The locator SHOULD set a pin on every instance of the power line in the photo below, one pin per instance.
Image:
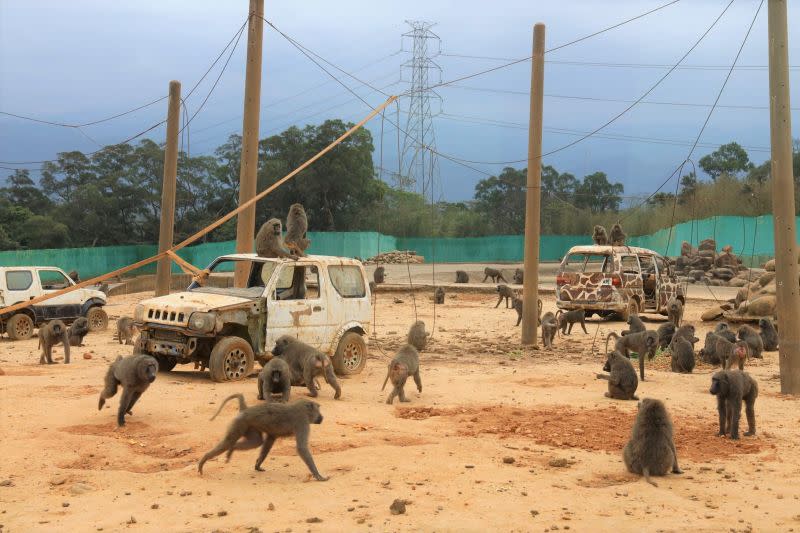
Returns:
(77, 126)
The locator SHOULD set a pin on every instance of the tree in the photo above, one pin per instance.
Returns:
(501, 199)
(729, 158)
(22, 191)
(688, 188)
(597, 194)
(662, 199)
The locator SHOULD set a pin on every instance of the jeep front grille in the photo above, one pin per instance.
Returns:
(164, 315)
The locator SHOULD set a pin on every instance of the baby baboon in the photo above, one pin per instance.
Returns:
(77, 331)
(505, 292)
(438, 295)
(723, 330)
(636, 325)
(617, 235)
(753, 340)
(549, 328)
(275, 378)
(417, 336)
(665, 332)
(643, 343)
(516, 304)
(675, 311)
(708, 353)
(569, 319)
(622, 380)
(651, 449)
(135, 373)
(379, 276)
(270, 420)
(769, 335)
(404, 364)
(50, 334)
(297, 230)
(461, 277)
(731, 387)
(269, 240)
(600, 236)
(493, 273)
(73, 275)
(126, 330)
(519, 276)
(306, 363)
(682, 356)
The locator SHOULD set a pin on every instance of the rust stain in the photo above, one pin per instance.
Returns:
(297, 314)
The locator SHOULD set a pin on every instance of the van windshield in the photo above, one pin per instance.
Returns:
(588, 263)
(221, 276)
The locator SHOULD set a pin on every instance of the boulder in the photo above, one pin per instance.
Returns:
(737, 282)
(769, 266)
(696, 275)
(766, 278)
(707, 244)
(726, 260)
(707, 253)
(723, 273)
(712, 314)
(761, 306)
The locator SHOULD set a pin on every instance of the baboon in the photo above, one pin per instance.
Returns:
(505, 292)
(493, 273)
(600, 236)
(769, 335)
(275, 378)
(516, 304)
(296, 239)
(665, 332)
(741, 351)
(103, 288)
(731, 387)
(519, 276)
(305, 363)
(622, 380)
(636, 325)
(617, 235)
(77, 331)
(269, 240)
(682, 359)
(549, 328)
(708, 353)
(569, 319)
(438, 295)
(50, 334)
(404, 364)
(723, 352)
(753, 340)
(643, 343)
(684, 332)
(723, 330)
(651, 449)
(270, 420)
(126, 330)
(379, 276)
(417, 336)
(73, 275)
(675, 311)
(372, 287)
(135, 373)
(461, 277)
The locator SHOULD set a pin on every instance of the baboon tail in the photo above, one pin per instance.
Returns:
(558, 324)
(646, 473)
(387, 377)
(239, 396)
(608, 337)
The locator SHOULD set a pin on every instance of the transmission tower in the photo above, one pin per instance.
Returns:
(419, 165)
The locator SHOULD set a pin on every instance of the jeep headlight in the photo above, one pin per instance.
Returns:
(202, 322)
(138, 314)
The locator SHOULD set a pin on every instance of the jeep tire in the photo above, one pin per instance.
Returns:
(98, 319)
(20, 327)
(351, 354)
(231, 359)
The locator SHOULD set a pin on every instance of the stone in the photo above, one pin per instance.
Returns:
(398, 507)
(707, 245)
(769, 266)
(711, 314)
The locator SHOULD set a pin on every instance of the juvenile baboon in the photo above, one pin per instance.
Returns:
(296, 239)
(73, 275)
(682, 359)
(516, 304)
(600, 236)
(708, 353)
(651, 448)
(617, 235)
(275, 378)
(269, 240)
(126, 330)
(404, 364)
(769, 335)
(417, 336)
(461, 277)
(731, 387)
(723, 330)
(723, 352)
(305, 363)
(549, 328)
(753, 340)
(50, 334)
(741, 351)
(504, 291)
(379, 276)
(675, 311)
(569, 319)
(622, 380)
(665, 332)
(262, 424)
(438, 295)
(77, 331)
(636, 325)
(135, 373)
(684, 332)
(493, 273)
(519, 276)
(643, 343)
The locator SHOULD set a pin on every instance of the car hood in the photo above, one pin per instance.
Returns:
(175, 309)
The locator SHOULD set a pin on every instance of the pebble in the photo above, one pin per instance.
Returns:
(508, 460)
(398, 507)
(6, 483)
(270, 507)
(469, 466)
(131, 521)
(155, 506)
(314, 520)
(65, 504)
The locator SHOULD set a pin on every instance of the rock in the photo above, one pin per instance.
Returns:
(766, 278)
(58, 480)
(737, 282)
(80, 488)
(762, 306)
(155, 506)
(225, 513)
(696, 275)
(398, 507)
(727, 260)
(131, 521)
(6, 483)
(559, 463)
(271, 507)
(87, 356)
(723, 273)
(686, 249)
(769, 266)
(707, 254)
(508, 460)
(707, 245)
(314, 520)
(712, 314)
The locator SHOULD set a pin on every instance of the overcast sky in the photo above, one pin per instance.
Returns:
(82, 60)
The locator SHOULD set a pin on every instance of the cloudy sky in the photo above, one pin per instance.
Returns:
(82, 60)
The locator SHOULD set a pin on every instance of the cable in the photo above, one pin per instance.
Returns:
(235, 37)
(92, 123)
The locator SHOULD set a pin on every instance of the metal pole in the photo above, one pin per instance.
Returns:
(246, 221)
(786, 268)
(165, 233)
(530, 287)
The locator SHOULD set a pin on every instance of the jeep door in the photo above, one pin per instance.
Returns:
(64, 307)
(20, 285)
(296, 305)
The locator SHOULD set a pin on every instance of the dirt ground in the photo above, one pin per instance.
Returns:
(500, 438)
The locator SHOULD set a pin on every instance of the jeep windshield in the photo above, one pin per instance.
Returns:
(588, 263)
(220, 279)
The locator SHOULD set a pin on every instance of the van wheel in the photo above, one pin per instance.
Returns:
(165, 362)
(351, 354)
(633, 309)
(231, 359)
(20, 327)
(98, 319)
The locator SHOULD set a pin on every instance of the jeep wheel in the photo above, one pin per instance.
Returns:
(98, 319)
(20, 327)
(632, 309)
(351, 354)
(231, 359)
(165, 362)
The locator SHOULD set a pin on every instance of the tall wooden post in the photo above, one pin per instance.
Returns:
(530, 287)
(786, 268)
(165, 233)
(246, 220)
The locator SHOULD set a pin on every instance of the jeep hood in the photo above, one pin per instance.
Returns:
(194, 301)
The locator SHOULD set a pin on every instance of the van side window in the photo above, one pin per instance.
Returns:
(297, 283)
(648, 267)
(347, 280)
(629, 264)
(19, 280)
(53, 280)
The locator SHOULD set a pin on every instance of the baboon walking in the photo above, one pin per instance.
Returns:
(135, 373)
(404, 364)
(732, 387)
(50, 334)
(493, 273)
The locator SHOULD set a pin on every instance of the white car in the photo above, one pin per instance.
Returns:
(323, 301)
(22, 283)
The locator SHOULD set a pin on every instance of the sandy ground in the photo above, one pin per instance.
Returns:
(500, 438)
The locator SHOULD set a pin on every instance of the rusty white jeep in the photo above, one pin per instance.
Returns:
(323, 301)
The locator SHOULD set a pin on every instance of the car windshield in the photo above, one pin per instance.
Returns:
(587, 263)
(220, 278)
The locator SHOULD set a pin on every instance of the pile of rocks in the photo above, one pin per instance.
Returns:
(703, 264)
(395, 257)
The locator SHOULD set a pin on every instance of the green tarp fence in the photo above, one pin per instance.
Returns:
(751, 238)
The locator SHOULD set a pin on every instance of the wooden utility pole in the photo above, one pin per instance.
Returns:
(530, 287)
(246, 220)
(165, 233)
(786, 268)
